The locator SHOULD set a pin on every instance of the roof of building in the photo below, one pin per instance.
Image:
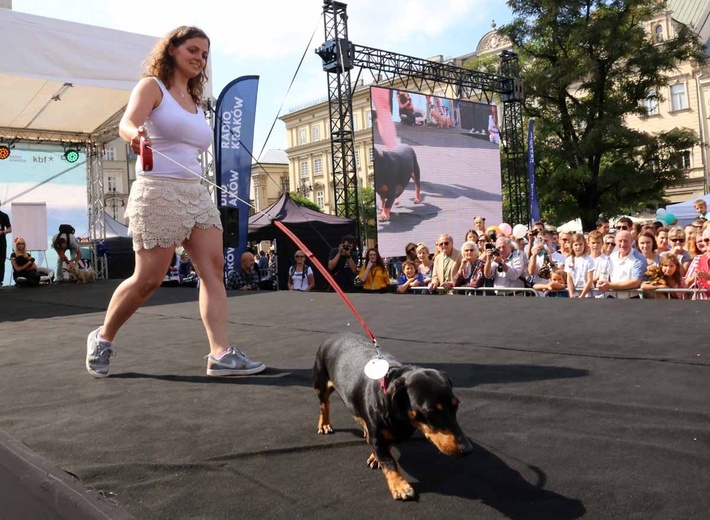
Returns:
(274, 156)
(688, 12)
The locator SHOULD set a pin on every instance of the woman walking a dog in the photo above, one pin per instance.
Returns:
(168, 206)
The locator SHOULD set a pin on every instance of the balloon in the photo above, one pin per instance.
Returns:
(669, 218)
(520, 230)
(661, 212)
(506, 229)
(494, 229)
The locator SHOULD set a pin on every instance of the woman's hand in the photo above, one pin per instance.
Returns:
(140, 132)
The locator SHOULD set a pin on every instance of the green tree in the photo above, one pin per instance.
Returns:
(368, 216)
(588, 65)
(304, 201)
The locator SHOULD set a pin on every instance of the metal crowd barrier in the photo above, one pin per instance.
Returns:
(638, 293)
(527, 292)
(482, 291)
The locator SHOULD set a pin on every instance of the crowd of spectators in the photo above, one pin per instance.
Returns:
(629, 260)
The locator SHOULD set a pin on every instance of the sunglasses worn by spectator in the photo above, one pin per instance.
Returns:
(444, 243)
(622, 228)
(681, 240)
(706, 240)
(411, 250)
(609, 244)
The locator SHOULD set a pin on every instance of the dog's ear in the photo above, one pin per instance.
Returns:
(448, 379)
(397, 393)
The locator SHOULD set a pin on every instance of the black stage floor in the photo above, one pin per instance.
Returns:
(595, 409)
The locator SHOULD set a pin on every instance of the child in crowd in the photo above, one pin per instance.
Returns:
(410, 277)
(665, 274)
(580, 268)
(556, 287)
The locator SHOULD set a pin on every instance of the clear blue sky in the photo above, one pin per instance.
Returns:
(268, 38)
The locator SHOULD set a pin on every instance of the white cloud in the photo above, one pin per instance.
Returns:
(280, 28)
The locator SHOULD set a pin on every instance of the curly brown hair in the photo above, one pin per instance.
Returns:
(160, 63)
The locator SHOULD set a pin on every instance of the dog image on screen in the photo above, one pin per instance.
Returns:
(393, 171)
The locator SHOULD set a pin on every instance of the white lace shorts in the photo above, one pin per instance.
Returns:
(163, 212)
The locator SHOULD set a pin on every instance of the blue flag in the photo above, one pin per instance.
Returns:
(234, 141)
(534, 208)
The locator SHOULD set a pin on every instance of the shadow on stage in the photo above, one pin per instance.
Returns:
(514, 488)
(463, 375)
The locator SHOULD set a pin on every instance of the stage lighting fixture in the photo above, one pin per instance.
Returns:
(4, 152)
(71, 155)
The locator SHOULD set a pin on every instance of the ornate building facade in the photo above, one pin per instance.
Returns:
(310, 167)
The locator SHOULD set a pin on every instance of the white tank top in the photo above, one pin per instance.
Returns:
(179, 134)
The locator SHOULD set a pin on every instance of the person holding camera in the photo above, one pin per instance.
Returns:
(537, 228)
(543, 258)
(341, 264)
(504, 264)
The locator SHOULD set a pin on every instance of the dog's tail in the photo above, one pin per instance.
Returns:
(416, 172)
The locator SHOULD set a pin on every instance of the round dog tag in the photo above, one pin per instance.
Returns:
(376, 368)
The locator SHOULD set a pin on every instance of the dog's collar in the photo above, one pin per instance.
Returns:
(385, 379)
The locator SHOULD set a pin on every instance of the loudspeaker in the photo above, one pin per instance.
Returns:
(230, 224)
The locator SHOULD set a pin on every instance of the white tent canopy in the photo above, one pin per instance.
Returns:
(63, 76)
(684, 211)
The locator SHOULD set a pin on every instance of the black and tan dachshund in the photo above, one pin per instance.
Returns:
(393, 171)
(407, 399)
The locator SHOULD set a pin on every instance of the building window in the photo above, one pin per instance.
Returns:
(318, 166)
(315, 131)
(111, 183)
(320, 198)
(372, 155)
(304, 169)
(685, 160)
(679, 100)
(110, 153)
(651, 103)
(302, 137)
(285, 185)
(357, 159)
(369, 119)
(354, 123)
(659, 34)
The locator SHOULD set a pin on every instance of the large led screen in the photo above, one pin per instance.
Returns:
(437, 166)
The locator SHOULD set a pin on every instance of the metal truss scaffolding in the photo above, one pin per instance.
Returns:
(93, 144)
(340, 56)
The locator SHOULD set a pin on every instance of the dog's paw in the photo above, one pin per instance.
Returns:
(325, 429)
(372, 462)
(403, 491)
